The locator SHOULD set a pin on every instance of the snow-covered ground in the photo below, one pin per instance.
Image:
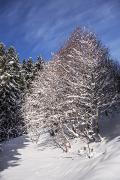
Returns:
(23, 160)
(20, 159)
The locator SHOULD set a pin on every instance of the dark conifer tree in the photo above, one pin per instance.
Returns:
(39, 64)
(11, 122)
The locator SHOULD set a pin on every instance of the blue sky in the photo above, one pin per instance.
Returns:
(40, 27)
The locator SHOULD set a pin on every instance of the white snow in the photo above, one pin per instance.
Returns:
(11, 62)
(20, 159)
(23, 160)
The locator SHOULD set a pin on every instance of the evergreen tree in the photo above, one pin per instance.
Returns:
(30, 69)
(38, 64)
(2, 49)
(11, 122)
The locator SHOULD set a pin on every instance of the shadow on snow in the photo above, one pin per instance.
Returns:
(10, 155)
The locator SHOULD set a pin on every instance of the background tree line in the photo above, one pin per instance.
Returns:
(15, 80)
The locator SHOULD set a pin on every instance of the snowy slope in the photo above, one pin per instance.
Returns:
(20, 159)
(34, 163)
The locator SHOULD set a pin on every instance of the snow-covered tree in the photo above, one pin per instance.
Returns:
(11, 121)
(87, 69)
(37, 102)
(73, 90)
(30, 69)
(39, 63)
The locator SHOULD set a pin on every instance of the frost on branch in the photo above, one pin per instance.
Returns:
(72, 91)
